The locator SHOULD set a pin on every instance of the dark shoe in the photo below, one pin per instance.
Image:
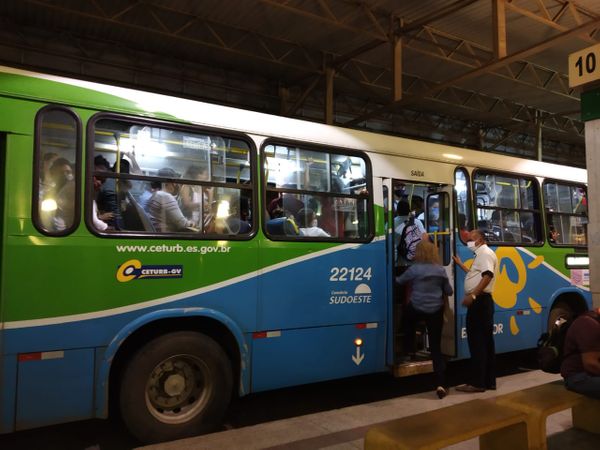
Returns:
(469, 388)
(441, 392)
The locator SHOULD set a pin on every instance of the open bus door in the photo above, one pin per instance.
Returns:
(437, 219)
(438, 223)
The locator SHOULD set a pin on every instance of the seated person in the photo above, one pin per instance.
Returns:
(581, 365)
(309, 226)
(286, 204)
(163, 207)
(553, 235)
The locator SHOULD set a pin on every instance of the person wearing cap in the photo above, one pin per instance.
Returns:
(164, 211)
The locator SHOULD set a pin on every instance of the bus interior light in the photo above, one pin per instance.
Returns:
(358, 342)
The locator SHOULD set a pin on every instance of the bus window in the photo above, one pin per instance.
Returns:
(157, 179)
(463, 204)
(507, 208)
(566, 213)
(315, 195)
(56, 176)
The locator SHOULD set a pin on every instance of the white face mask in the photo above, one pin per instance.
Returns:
(314, 223)
(69, 177)
(472, 246)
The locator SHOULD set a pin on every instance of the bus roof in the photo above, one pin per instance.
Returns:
(86, 94)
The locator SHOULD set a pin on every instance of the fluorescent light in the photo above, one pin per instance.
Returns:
(451, 156)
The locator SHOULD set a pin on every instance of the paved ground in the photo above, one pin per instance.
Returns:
(345, 428)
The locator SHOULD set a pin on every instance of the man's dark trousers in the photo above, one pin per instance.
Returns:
(480, 335)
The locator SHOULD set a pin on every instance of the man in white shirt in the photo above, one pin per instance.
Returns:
(479, 284)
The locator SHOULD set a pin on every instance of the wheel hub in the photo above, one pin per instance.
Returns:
(174, 385)
(177, 389)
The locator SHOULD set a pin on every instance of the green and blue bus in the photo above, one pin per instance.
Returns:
(160, 255)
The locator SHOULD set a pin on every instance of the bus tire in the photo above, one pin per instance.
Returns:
(560, 309)
(177, 385)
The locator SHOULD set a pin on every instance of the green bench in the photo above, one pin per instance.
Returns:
(498, 427)
(541, 401)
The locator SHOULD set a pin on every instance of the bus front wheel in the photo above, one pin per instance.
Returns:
(175, 386)
(561, 310)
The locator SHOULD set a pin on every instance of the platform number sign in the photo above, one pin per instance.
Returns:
(584, 66)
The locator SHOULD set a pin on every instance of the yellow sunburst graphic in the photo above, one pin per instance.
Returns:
(535, 306)
(506, 290)
(514, 328)
(536, 262)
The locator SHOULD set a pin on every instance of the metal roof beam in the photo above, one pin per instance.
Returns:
(329, 18)
(543, 16)
(490, 67)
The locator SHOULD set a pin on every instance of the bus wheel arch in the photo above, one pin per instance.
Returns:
(210, 343)
(565, 306)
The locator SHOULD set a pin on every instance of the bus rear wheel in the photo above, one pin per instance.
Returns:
(175, 386)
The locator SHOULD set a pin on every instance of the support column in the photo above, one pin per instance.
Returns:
(592, 157)
(284, 98)
(329, 74)
(499, 25)
(397, 68)
(538, 134)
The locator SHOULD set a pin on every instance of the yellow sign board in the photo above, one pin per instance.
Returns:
(584, 66)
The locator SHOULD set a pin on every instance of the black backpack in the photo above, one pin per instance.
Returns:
(550, 351)
(409, 238)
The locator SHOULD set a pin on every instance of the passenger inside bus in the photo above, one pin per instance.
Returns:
(309, 225)
(98, 223)
(463, 228)
(63, 193)
(195, 201)
(553, 235)
(45, 176)
(165, 214)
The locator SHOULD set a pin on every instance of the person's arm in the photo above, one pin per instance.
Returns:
(174, 215)
(447, 288)
(323, 233)
(406, 277)
(459, 263)
(186, 197)
(135, 167)
(485, 280)
(591, 362)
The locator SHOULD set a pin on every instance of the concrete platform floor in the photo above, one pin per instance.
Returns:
(345, 428)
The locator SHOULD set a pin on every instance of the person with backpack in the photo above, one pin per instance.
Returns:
(411, 232)
(580, 366)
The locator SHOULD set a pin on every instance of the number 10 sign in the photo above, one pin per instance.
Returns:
(584, 66)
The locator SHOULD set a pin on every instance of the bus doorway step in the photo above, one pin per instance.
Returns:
(409, 368)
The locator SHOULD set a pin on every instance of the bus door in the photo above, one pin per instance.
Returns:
(438, 223)
(429, 204)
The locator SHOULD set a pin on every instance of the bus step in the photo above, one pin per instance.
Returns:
(409, 368)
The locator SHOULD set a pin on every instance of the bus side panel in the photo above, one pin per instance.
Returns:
(316, 354)
(345, 284)
(525, 283)
(8, 394)
(56, 388)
